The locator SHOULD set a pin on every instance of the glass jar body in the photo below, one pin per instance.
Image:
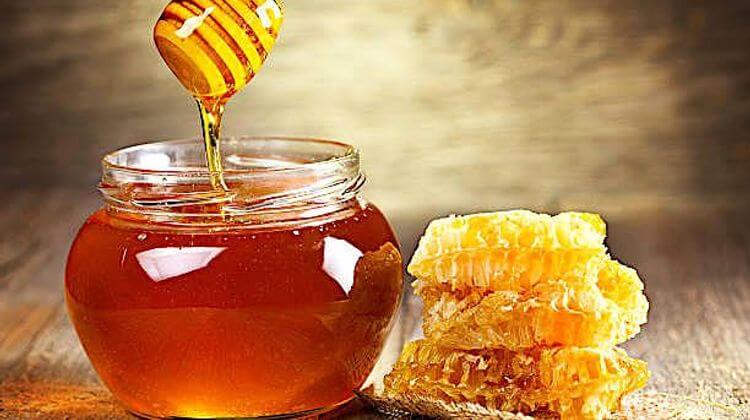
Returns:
(236, 320)
(256, 328)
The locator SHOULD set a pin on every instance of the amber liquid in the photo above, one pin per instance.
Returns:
(258, 329)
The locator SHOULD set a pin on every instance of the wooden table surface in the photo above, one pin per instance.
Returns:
(639, 110)
(696, 265)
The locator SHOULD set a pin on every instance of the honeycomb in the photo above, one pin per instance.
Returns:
(452, 237)
(623, 285)
(504, 269)
(601, 309)
(522, 313)
(576, 383)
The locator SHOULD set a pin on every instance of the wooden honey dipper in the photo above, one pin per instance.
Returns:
(215, 47)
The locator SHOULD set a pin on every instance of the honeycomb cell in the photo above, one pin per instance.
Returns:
(576, 383)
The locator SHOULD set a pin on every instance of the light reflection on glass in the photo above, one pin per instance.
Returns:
(165, 263)
(154, 161)
(340, 260)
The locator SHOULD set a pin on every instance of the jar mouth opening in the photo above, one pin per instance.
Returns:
(269, 179)
(153, 158)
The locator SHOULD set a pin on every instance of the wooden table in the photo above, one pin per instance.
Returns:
(636, 109)
(696, 265)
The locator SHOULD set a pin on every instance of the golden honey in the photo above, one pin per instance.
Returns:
(261, 330)
(282, 308)
(262, 286)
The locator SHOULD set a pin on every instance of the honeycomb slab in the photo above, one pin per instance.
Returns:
(599, 310)
(487, 240)
(576, 383)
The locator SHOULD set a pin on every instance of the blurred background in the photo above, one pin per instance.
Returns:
(637, 109)
(457, 105)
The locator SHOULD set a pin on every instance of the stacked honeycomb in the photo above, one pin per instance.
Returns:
(522, 313)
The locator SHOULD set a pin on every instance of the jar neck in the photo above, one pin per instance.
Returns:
(308, 216)
(271, 182)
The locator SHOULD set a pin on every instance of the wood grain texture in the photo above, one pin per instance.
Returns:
(636, 109)
(696, 265)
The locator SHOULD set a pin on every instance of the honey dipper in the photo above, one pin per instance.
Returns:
(215, 47)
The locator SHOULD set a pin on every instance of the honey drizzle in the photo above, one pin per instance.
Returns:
(211, 113)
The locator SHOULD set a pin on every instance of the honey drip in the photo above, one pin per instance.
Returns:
(211, 113)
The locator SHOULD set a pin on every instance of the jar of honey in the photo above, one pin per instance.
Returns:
(272, 298)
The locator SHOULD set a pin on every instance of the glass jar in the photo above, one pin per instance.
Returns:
(274, 298)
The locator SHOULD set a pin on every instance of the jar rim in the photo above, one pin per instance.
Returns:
(109, 161)
(270, 179)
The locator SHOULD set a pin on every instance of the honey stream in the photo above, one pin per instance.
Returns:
(211, 113)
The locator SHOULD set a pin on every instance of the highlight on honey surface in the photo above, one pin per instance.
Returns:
(215, 47)
(576, 383)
